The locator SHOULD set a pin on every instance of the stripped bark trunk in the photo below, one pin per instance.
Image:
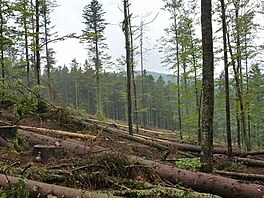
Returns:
(39, 189)
(57, 132)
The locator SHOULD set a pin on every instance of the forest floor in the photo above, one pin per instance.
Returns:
(101, 161)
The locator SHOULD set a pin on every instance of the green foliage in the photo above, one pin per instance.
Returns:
(192, 164)
(20, 143)
(100, 116)
(25, 107)
(18, 190)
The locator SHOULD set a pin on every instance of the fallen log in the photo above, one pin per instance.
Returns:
(4, 143)
(42, 190)
(75, 147)
(203, 182)
(165, 144)
(133, 138)
(261, 152)
(241, 176)
(250, 162)
(56, 132)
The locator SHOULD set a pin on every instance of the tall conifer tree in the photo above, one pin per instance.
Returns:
(95, 23)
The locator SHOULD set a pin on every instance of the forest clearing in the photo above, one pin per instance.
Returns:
(110, 127)
(61, 151)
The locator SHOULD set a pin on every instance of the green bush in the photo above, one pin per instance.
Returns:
(192, 164)
(18, 190)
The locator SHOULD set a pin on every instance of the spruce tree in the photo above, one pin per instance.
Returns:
(93, 15)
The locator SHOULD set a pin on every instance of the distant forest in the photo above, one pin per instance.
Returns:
(74, 85)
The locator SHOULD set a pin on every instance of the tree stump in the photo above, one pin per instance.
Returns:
(42, 153)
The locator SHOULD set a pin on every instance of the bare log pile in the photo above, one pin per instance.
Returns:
(39, 189)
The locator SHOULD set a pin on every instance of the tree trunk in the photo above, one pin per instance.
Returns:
(4, 143)
(42, 190)
(178, 70)
(47, 48)
(128, 63)
(241, 176)
(26, 45)
(133, 75)
(2, 42)
(207, 86)
(228, 122)
(250, 162)
(143, 103)
(37, 48)
(71, 145)
(44, 131)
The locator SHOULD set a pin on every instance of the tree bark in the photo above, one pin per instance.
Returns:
(241, 176)
(207, 86)
(250, 162)
(37, 48)
(128, 64)
(42, 190)
(4, 143)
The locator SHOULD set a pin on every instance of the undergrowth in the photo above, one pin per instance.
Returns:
(192, 164)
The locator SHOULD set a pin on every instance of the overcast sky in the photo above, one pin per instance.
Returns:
(68, 19)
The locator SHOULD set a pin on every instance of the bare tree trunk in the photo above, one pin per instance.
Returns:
(26, 45)
(247, 88)
(238, 74)
(143, 103)
(128, 63)
(207, 86)
(37, 49)
(239, 94)
(228, 124)
(133, 75)
(47, 48)
(178, 70)
(1, 42)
